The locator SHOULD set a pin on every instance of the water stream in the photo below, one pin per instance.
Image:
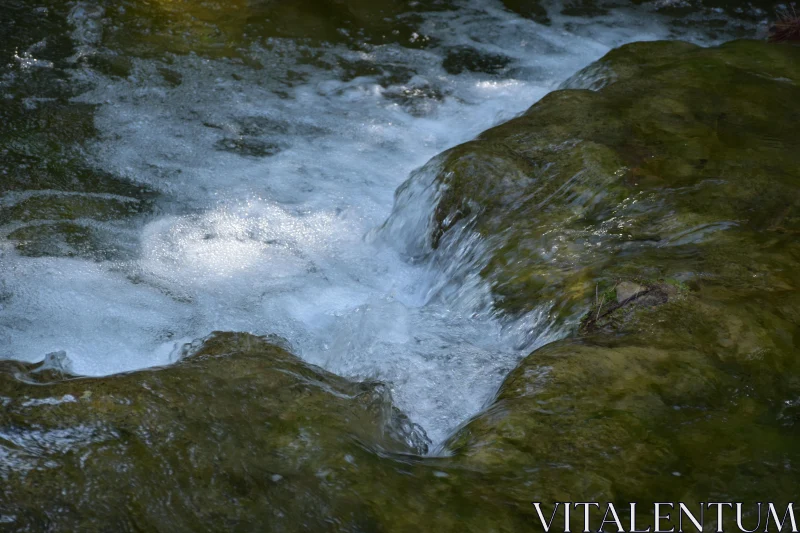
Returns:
(272, 175)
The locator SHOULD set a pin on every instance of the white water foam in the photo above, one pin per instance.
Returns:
(271, 191)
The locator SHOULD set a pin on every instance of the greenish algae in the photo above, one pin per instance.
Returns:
(49, 192)
(683, 175)
(239, 429)
(686, 147)
(228, 29)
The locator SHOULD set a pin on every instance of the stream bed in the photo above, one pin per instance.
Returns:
(171, 169)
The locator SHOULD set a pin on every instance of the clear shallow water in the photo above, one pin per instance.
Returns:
(274, 181)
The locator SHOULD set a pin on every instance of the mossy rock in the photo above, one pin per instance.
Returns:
(686, 399)
(70, 207)
(685, 148)
(237, 431)
(228, 29)
(680, 179)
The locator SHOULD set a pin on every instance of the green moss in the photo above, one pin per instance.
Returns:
(238, 429)
(228, 29)
(678, 284)
(681, 175)
(686, 145)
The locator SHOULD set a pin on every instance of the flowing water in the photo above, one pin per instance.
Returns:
(269, 173)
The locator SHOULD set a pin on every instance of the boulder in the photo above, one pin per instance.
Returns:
(661, 212)
(237, 432)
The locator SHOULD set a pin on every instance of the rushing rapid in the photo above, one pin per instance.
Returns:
(273, 185)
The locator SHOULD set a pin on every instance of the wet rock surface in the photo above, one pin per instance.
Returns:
(683, 151)
(53, 201)
(666, 203)
(655, 216)
(237, 431)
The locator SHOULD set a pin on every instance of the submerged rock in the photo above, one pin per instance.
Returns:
(151, 28)
(464, 58)
(53, 201)
(627, 290)
(529, 9)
